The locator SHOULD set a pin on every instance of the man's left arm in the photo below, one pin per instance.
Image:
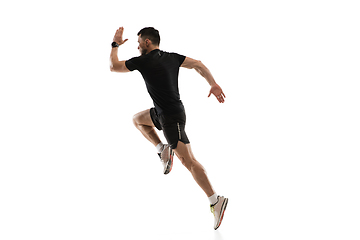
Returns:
(115, 64)
(204, 71)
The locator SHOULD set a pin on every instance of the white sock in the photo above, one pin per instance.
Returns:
(159, 147)
(213, 199)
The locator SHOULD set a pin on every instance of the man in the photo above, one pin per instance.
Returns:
(160, 71)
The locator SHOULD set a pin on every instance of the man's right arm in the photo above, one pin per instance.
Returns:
(115, 64)
(205, 72)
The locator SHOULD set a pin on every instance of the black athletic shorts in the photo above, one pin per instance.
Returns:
(172, 125)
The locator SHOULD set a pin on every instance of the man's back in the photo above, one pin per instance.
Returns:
(160, 71)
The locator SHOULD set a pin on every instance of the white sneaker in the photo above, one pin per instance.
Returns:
(218, 209)
(166, 156)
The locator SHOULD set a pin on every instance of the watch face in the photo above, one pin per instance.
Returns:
(114, 44)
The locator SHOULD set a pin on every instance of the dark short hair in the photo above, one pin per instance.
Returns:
(150, 33)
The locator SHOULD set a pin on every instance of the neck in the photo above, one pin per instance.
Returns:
(151, 48)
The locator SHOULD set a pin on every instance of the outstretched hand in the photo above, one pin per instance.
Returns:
(218, 93)
(119, 36)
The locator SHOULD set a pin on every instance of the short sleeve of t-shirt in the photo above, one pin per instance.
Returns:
(132, 64)
(180, 58)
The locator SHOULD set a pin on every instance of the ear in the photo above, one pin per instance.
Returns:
(147, 42)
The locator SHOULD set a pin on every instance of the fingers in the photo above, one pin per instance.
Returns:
(220, 99)
(119, 31)
(119, 35)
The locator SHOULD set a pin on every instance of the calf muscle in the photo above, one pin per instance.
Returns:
(144, 124)
(184, 153)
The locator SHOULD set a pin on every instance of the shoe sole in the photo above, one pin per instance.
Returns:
(223, 208)
(170, 163)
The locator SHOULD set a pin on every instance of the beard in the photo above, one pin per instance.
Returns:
(143, 52)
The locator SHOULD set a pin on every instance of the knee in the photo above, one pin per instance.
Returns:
(136, 120)
(189, 163)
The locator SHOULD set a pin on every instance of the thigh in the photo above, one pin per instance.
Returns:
(174, 129)
(185, 155)
(144, 118)
(175, 133)
(183, 152)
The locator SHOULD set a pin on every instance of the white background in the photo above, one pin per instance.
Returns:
(284, 147)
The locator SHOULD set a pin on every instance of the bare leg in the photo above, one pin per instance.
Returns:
(184, 153)
(143, 122)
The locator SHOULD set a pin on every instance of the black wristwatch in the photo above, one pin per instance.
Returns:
(115, 44)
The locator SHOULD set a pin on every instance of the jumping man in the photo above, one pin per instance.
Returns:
(160, 71)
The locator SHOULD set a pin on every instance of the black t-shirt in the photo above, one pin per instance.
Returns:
(160, 71)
